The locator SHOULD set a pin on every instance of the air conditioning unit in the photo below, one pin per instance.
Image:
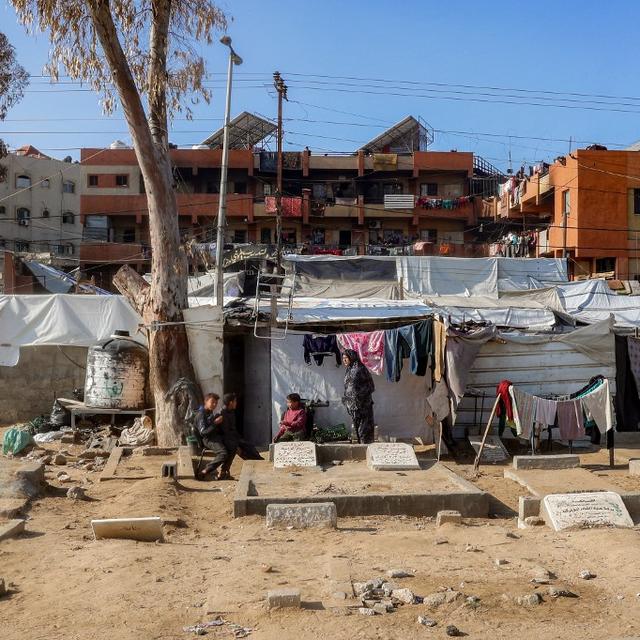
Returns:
(374, 224)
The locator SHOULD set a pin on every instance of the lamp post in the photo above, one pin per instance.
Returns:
(234, 59)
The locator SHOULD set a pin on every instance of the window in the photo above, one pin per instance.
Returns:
(429, 189)
(23, 182)
(318, 236)
(604, 265)
(44, 183)
(390, 188)
(68, 217)
(265, 236)
(268, 189)
(69, 248)
(129, 235)
(92, 180)
(429, 235)
(142, 187)
(344, 238)
(393, 236)
(3, 243)
(239, 236)
(122, 180)
(45, 213)
(289, 236)
(566, 202)
(3, 210)
(21, 245)
(636, 201)
(23, 216)
(68, 186)
(239, 187)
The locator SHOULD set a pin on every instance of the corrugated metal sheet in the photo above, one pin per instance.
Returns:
(540, 369)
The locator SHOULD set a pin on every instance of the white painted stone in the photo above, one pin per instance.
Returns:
(302, 516)
(597, 508)
(294, 454)
(145, 529)
(493, 450)
(391, 456)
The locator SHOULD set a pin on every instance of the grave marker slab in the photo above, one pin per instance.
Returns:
(493, 450)
(391, 456)
(294, 454)
(590, 509)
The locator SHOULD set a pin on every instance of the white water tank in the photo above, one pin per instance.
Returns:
(116, 374)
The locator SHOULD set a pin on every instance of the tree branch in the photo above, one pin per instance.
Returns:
(157, 74)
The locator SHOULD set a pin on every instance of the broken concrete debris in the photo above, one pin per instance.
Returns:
(399, 573)
(11, 528)
(426, 622)
(529, 600)
(283, 599)
(453, 631)
(59, 459)
(448, 517)
(439, 598)
(585, 574)
(76, 493)
(559, 592)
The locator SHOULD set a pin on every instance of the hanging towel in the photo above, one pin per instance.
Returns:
(570, 419)
(598, 404)
(546, 411)
(440, 341)
(502, 390)
(369, 347)
(525, 405)
(320, 346)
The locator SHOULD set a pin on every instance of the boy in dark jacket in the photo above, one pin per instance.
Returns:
(209, 425)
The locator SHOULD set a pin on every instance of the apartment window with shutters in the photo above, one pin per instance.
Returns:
(68, 217)
(22, 246)
(429, 189)
(92, 180)
(566, 202)
(23, 182)
(23, 215)
(68, 186)
(122, 180)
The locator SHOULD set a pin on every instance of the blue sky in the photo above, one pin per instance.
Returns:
(568, 47)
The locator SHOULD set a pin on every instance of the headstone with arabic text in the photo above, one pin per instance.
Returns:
(391, 456)
(294, 454)
(589, 509)
(493, 450)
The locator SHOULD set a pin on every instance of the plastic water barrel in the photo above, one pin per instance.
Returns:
(116, 374)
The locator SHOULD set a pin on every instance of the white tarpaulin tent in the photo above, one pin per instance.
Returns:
(399, 409)
(61, 319)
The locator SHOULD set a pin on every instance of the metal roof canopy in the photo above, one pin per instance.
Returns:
(245, 131)
(406, 136)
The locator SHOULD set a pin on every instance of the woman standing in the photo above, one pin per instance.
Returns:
(358, 387)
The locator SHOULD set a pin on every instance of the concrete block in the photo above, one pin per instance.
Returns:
(634, 467)
(169, 470)
(561, 461)
(445, 517)
(283, 598)
(302, 516)
(528, 506)
(11, 528)
(185, 463)
(32, 473)
(144, 529)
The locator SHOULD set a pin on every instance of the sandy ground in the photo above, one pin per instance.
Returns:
(65, 585)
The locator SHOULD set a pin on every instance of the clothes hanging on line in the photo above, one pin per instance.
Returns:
(599, 405)
(525, 407)
(369, 346)
(570, 420)
(414, 341)
(504, 406)
(318, 347)
(546, 411)
(439, 345)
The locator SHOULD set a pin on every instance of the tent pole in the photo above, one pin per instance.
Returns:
(476, 464)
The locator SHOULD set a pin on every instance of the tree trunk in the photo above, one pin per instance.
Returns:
(161, 303)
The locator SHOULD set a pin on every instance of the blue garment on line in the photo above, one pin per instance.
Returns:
(414, 341)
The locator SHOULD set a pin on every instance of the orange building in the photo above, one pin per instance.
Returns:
(387, 195)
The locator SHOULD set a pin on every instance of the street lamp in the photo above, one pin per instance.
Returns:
(234, 59)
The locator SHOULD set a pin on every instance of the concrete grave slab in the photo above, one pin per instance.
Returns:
(540, 482)
(283, 598)
(294, 454)
(302, 516)
(561, 461)
(634, 467)
(590, 509)
(144, 529)
(11, 528)
(391, 456)
(493, 451)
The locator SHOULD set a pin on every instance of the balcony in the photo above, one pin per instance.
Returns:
(531, 195)
(99, 252)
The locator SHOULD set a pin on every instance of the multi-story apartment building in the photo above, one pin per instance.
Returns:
(586, 205)
(391, 193)
(40, 207)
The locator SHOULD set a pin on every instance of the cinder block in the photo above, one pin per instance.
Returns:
(444, 517)
(31, 473)
(11, 528)
(528, 506)
(561, 461)
(634, 467)
(302, 516)
(283, 598)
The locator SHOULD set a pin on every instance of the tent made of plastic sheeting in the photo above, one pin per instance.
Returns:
(399, 408)
(61, 319)
(427, 275)
(543, 365)
(593, 301)
(204, 284)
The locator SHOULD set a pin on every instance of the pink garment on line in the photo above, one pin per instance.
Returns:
(570, 420)
(369, 346)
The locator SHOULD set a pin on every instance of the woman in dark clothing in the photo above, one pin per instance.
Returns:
(358, 387)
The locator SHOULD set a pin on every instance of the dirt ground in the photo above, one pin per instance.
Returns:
(65, 585)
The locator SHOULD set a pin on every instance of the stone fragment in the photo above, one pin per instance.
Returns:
(406, 596)
(559, 592)
(426, 622)
(453, 631)
(440, 541)
(339, 595)
(445, 517)
(283, 599)
(441, 597)
(634, 467)
(59, 459)
(366, 611)
(381, 608)
(399, 573)
(534, 521)
(472, 601)
(585, 574)
(266, 568)
(76, 493)
(529, 600)
(471, 548)
(89, 466)
(512, 535)
(500, 562)
(11, 528)
(302, 516)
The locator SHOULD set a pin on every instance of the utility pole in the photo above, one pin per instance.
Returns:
(234, 58)
(281, 88)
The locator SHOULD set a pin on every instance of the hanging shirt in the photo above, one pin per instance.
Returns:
(413, 341)
(502, 390)
(439, 340)
(598, 404)
(546, 411)
(570, 420)
(317, 347)
(526, 407)
(369, 347)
